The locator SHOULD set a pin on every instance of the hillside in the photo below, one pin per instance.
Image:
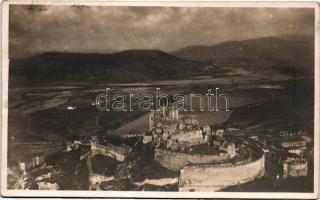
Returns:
(126, 66)
(293, 109)
(286, 54)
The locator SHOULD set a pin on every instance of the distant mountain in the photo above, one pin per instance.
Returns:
(290, 52)
(287, 55)
(126, 66)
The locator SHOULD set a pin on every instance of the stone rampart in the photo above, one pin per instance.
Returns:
(176, 160)
(117, 152)
(216, 177)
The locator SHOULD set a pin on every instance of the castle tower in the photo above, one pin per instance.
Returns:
(177, 114)
(22, 166)
(151, 121)
(163, 112)
(173, 113)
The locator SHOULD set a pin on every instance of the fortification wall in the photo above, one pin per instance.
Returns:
(295, 169)
(188, 137)
(119, 153)
(96, 179)
(176, 160)
(217, 177)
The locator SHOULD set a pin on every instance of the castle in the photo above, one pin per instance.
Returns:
(177, 132)
(172, 130)
(183, 144)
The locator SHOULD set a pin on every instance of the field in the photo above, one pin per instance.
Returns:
(42, 119)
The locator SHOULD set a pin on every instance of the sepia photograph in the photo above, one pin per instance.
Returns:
(160, 99)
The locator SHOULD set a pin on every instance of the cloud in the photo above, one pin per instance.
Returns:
(37, 29)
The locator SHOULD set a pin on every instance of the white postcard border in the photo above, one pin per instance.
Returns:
(76, 193)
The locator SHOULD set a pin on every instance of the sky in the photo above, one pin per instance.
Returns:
(104, 29)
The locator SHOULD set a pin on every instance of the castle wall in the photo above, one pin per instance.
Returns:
(96, 179)
(217, 177)
(188, 137)
(158, 182)
(176, 160)
(119, 153)
(33, 154)
(295, 169)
